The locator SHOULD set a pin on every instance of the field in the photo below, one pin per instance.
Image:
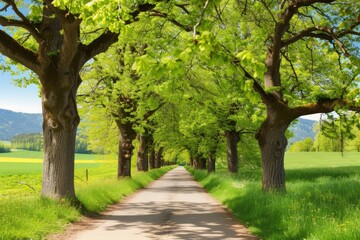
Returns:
(322, 199)
(303, 160)
(20, 171)
(23, 162)
(24, 215)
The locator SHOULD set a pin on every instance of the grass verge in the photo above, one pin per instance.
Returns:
(34, 218)
(320, 203)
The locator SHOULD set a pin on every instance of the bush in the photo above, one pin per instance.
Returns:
(306, 145)
(3, 148)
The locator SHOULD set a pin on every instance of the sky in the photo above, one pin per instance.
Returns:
(18, 99)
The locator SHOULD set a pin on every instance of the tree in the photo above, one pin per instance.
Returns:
(303, 29)
(306, 145)
(307, 53)
(54, 48)
(4, 148)
(337, 133)
(32, 141)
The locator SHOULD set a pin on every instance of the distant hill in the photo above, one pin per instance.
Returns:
(13, 123)
(302, 129)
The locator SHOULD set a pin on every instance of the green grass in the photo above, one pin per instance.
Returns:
(31, 217)
(40, 154)
(322, 199)
(297, 160)
(8, 168)
(24, 168)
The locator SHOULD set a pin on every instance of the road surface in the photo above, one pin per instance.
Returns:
(173, 207)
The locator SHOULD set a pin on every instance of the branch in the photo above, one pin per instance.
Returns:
(295, 74)
(6, 22)
(183, 7)
(327, 34)
(201, 17)
(323, 106)
(105, 40)
(99, 45)
(16, 10)
(309, 32)
(156, 13)
(268, 10)
(24, 23)
(24, 183)
(148, 114)
(13, 50)
(351, 31)
(5, 8)
(257, 87)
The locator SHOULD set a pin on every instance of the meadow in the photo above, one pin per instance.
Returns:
(322, 199)
(321, 202)
(24, 215)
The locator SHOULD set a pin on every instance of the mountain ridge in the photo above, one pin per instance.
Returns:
(14, 123)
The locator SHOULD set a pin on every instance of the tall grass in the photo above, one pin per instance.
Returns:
(33, 218)
(320, 203)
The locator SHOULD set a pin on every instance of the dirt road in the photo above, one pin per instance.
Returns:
(173, 207)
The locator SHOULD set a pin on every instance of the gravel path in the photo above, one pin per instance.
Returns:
(173, 207)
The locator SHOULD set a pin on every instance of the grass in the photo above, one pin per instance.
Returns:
(33, 218)
(39, 155)
(322, 199)
(30, 217)
(301, 160)
(24, 162)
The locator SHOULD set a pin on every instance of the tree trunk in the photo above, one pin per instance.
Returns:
(125, 152)
(232, 138)
(200, 162)
(272, 142)
(142, 156)
(158, 158)
(124, 123)
(151, 150)
(60, 121)
(191, 160)
(211, 163)
(152, 159)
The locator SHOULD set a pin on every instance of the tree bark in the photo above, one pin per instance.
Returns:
(142, 155)
(232, 138)
(203, 163)
(60, 121)
(200, 162)
(191, 160)
(272, 142)
(211, 163)
(127, 135)
(152, 159)
(158, 157)
(125, 152)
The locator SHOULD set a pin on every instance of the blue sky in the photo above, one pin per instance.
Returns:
(18, 99)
